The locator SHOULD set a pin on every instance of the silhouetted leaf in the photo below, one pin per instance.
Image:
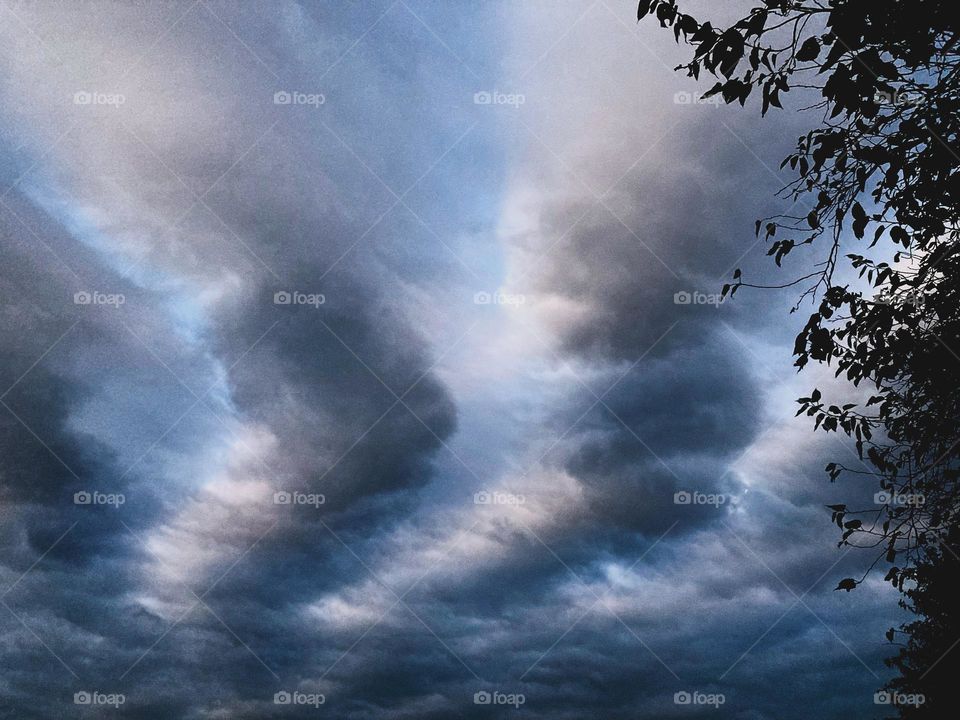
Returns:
(847, 584)
(809, 50)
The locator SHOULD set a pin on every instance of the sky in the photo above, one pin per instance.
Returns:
(365, 360)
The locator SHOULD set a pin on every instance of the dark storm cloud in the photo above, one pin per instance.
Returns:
(671, 425)
(685, 226)
(328, 381)
(65, 566)
(38, 309)
(689, 401)
(56, 348)
(305, 379)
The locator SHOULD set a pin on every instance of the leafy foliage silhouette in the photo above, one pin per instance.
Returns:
(926, 662)
(880, 173)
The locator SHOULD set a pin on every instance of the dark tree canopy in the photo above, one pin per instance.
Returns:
(878, 181)
(926, 662)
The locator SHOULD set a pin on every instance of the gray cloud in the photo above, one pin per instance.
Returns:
(201, 396)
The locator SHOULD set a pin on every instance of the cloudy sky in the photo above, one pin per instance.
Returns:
(359, 357)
